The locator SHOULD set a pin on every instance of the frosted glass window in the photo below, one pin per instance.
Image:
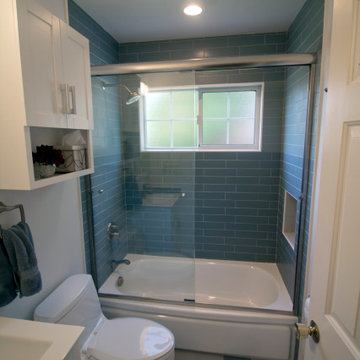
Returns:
(214, 132)
(241, 131)
(158, 133)
(203, 118)
(158, 106)
(228, 118)
(242, 103)
(214, 105)
(185, 133)
(179, 108)
(184, 104)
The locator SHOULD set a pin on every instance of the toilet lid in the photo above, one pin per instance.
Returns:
(130, 339)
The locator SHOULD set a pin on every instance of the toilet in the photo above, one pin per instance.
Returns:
(75, 302)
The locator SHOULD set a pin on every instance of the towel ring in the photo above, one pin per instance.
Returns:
(4, 208)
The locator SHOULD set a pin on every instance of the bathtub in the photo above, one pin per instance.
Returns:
(223, 307)
(215, 282)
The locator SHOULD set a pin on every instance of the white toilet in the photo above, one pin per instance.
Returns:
(75, 302)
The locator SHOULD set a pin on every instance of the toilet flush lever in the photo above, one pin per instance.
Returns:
(303, 331)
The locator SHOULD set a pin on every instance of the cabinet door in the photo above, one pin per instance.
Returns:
(40, 47)
(75, 53)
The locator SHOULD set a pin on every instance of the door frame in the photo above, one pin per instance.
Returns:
(324, 71)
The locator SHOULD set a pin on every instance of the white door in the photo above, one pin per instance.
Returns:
(335, 282)
(75, 53)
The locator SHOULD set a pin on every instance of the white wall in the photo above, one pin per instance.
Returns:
(54, 216)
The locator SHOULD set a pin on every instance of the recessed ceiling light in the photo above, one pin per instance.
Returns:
(193, 10)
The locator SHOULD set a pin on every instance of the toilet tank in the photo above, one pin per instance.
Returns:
(74, 302)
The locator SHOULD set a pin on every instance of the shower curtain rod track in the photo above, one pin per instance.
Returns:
(253, 61)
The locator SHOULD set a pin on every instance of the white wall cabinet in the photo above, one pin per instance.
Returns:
(56, 70)
(45, 76)
(75, 49)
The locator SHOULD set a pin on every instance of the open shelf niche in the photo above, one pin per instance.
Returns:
(54, 136)
(289, 218)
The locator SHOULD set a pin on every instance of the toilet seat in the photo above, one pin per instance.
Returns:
(130, 339)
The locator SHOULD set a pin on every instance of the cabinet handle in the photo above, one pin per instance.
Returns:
(64, 88)
(73, 100)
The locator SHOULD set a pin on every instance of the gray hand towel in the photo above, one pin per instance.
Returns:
(20, 250)
(7, 284)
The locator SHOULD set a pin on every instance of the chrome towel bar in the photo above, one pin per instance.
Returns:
(4, 207)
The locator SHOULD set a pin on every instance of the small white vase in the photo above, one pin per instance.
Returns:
(44, 170)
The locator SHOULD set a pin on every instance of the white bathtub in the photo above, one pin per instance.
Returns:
(216, 282)
(251, 331)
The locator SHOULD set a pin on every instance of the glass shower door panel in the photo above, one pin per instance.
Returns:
(103, 193)
(158, 136)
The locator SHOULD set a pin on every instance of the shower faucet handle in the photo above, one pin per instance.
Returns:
(112, 230)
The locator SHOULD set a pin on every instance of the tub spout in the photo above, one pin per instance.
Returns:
(118, 262)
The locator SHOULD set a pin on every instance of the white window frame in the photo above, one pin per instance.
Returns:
(201, 89)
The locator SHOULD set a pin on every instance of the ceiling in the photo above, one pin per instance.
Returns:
(146, 20)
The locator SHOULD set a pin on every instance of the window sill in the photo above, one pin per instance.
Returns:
(201, 150)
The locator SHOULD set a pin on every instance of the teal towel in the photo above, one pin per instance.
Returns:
(19, 246)
(7, 284)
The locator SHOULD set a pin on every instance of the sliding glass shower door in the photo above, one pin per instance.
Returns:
(151, 193)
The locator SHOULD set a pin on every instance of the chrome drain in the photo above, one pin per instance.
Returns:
(119, 281)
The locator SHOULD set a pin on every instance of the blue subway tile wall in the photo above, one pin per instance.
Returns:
(235, 210)
(235, 194)
(253, 44)
(236, 198)
(305, 35)
(159, 220)
(108, 205)
(233, 199)
(103, 47)
(292, 162)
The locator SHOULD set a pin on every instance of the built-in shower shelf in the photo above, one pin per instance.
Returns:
(289, 218)
(160, 199)
(290, 237)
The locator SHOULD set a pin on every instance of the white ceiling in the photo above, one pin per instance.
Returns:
(146, 20)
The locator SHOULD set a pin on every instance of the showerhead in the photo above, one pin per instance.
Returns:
(134, 96)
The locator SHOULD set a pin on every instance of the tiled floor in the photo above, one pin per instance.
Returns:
(191, 355)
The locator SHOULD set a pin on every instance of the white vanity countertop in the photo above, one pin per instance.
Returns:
(34, 340)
